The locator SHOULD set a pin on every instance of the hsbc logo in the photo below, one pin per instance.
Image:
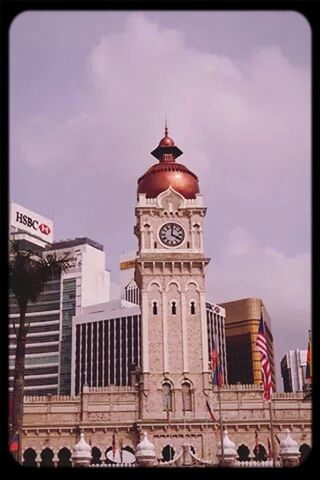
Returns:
(32, 223)
(44, 229)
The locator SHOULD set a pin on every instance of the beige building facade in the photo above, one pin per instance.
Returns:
(54, 422)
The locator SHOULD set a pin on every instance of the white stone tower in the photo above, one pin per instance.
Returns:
(170, 273)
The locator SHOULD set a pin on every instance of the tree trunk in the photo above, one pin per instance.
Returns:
(18, 382)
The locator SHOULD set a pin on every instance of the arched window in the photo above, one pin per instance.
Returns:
(173, 308)
(64, 456)
(186, 397)
(192, 308)
(46, 458)
(155, 308)
(166, 397)
(96, 454)
(243, 453)
(260, 453)
(167, 453)
(304, 450)
(29, 457)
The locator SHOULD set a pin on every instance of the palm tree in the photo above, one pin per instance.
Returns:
(29, 271)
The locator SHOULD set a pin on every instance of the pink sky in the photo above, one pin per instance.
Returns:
(89, 94)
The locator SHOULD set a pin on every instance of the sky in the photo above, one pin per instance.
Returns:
(89, 92)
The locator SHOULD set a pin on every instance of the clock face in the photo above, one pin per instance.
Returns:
(171, 234)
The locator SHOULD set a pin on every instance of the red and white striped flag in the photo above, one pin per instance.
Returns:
(265, 365)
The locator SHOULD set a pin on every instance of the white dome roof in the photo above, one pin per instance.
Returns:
(288, 445)
(145, 447)
(229, 448)
(82, 447)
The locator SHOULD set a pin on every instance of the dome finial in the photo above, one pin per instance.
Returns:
(166, 127)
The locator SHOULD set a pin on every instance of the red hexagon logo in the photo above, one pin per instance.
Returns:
(44, 229)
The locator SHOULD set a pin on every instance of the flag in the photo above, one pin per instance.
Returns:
(113, 445)
(14, 443)
(211, 412)
(309, 363)
(257, 448)
(217, 377)
(269, 450)
(265, 365)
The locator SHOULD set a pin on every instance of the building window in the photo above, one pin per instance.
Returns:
(155, 308)
(192, 308)
(167, 453)
(155, 245)
(188, 244)
(243, 453)
(167, 397)
(186, 397)
(173, 308)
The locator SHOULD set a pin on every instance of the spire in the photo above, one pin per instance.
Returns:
(166, 150)
(166, 127)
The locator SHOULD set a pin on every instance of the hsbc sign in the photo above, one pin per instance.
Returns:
(31, 222)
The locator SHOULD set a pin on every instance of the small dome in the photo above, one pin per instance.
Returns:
(288, 445)
(82, 447)
(145, 447)
(229, 448)
(166, 142)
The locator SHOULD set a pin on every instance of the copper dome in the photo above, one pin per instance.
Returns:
(168, 172)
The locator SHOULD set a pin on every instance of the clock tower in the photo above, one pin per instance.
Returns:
(170, 273)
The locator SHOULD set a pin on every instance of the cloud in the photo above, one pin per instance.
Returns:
(244, 119)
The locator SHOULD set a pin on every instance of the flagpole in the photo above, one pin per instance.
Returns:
(272, 434)
(220, 422)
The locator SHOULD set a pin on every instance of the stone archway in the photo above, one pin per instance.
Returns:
(304, 449)
(96, 454)
(243, 453)
(46, 458)
(260, 453)
(29, 457)
(64, 456)
(107, 461)
(129, 449)
(167, 453)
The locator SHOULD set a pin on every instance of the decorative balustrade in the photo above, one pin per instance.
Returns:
(256, 463)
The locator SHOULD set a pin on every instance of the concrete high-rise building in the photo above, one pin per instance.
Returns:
(293, 370)
(48, 348)
(241, 327)
(106, 344)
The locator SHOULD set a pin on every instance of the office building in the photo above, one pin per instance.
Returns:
(241, 328)
(293, 370)
(48, 348)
